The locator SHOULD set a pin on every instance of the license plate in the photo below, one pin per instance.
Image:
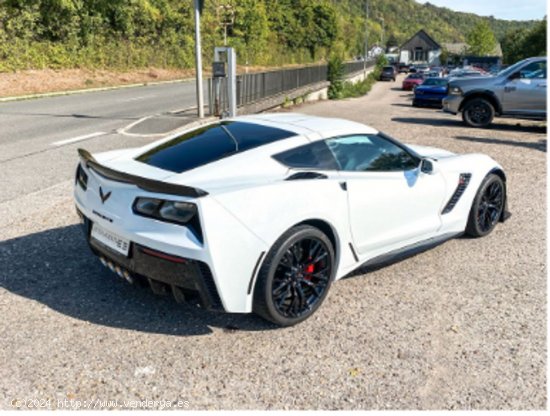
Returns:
(111, 240)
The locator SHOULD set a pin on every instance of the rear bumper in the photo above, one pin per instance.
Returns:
(187, 279)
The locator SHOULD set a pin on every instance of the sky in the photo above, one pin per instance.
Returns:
(501, 9)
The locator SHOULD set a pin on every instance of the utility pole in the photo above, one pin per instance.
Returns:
(382, 35)
(366, 36)
(198, 58)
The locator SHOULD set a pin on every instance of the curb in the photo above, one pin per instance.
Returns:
(85, 90)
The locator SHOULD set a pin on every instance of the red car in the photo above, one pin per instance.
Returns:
(412, 81)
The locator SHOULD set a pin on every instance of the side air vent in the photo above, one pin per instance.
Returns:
(306, 175)
(463, 181)
(208, 279)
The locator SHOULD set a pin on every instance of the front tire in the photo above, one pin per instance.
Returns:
(487, 207)
(295, 276)
(478, 112)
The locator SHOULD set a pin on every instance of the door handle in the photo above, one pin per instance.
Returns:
(509, 89)
(541, 86)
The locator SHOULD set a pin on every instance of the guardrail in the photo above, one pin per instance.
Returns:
(255, 87)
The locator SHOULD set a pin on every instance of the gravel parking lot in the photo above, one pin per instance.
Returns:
(462, 326)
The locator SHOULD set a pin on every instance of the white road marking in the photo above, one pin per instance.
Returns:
(138, 98)
(78, 139)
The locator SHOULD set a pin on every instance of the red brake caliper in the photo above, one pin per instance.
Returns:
(310, 268)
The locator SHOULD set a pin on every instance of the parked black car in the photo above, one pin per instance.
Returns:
(403, 68)
(388, 73)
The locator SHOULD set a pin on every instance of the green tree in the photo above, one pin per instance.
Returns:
(481, 39)
(444, 56)
(392, 41)
(513, 45)
(535, 41)
(251, 28)
(519, 44)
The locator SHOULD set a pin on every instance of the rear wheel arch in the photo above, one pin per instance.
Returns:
(323, 226)
(276, 297)
(499, 172)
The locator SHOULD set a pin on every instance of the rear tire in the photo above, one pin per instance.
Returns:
(487, 207)
(478, 112)
(295, 276)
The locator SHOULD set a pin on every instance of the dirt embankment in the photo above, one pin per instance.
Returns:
(49, 80)
(41, 81)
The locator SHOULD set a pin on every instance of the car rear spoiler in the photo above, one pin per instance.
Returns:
(146, 184)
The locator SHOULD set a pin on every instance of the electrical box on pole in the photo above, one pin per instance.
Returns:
(224, 72)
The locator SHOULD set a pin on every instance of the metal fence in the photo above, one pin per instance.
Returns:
(357, 66)
(255, 87)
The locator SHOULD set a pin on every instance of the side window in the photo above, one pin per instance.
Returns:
(535, 70)
(370, 153)
(313, 156)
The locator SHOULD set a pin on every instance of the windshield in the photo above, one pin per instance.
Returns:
(435, 81)
(511, 69)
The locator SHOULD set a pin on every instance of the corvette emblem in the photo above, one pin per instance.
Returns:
(104, 197)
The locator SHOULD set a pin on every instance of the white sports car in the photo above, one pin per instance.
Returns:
(262, 213)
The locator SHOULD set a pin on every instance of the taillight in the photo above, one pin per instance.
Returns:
(81, 177)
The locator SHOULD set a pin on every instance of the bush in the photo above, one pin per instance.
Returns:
(358, 89)
(335, 77)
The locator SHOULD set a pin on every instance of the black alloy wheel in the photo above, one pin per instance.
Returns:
(478, 112)
(488, 206)
(295, 277)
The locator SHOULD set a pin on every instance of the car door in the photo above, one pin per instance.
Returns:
(391, 202)
(525, 92)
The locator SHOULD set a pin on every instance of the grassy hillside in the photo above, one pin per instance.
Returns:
(125, 34)
(403, 18)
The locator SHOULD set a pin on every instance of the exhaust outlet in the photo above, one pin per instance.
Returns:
(123, 273)
(127, 276)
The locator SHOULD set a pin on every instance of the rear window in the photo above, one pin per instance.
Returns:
(208, 144)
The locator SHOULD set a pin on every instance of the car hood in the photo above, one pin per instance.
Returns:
(423, 87)
(472, 82)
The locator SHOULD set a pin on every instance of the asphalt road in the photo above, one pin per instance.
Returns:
(462, 326)
(38, 137)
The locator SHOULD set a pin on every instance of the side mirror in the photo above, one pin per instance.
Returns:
(427, 166)
(515, 75)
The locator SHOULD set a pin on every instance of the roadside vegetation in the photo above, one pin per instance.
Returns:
(129, 34)
(339, 88)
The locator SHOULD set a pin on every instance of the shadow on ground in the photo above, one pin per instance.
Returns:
(456, 122)
(538, 145)
(56, 268)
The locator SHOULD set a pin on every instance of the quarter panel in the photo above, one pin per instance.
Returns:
(268, 211)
